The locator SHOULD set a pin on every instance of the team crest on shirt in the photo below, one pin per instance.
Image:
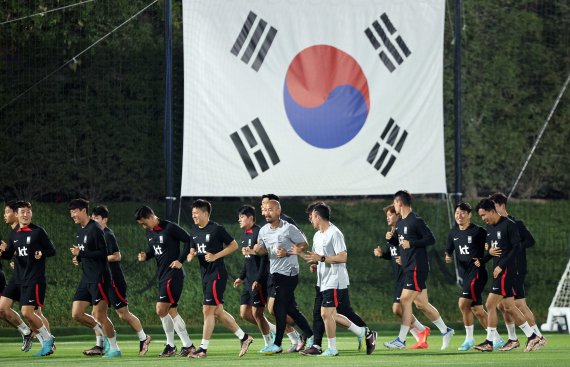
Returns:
(499, 234)
(405, 230)
(28, 239)
(469, 239)
(208, 238)
(160, 239)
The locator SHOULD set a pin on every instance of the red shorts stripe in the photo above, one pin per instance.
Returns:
(335, 296)
(38, 296)
(503, 290)
(119, 294)
(416, 285)
(472, 287)
(103, 294)
(168, 291)
(215, 291)
(260, 293)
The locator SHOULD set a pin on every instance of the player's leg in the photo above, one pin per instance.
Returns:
(422, 303)
(328, 313)
(464, 305)
(358, 328)
(533, 340)
(318, 326)
(133, 321)
(180, 328)
(162, 308)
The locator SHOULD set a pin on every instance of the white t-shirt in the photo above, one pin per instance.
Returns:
(286, 236)
(330, 243)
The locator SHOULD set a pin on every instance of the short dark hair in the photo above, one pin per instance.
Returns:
(143, 212)
(323, 211)
(23, 204)
(270, 197)
(404, 196)
(390, 208)
(247, 210)
(12, 204)
(312, 205)
(464, 206)
(499, 198)
(487, 205)
(203, 205)
(78, 204)
(101, 211)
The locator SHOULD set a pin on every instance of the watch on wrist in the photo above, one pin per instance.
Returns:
(322, 259)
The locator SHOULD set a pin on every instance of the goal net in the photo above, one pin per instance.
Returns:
(559, 310)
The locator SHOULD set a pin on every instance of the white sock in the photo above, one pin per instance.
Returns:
(536, 330)
(414, 332)
(168, 327)
(99, 341)
(267, 339)
(496, 337)
(527, 330)
(204, 344)
(440, 325)
(272, 327)
(403, 332)
(294, 336)
(142, 336)
(332, 343)
(24, 329)
(98, 329)
(418, 325)
(40, 339)
(44, 334)
(491, 331)
(469, 332)
(356, 330)
(239, 333)
(113, 343)
(180, 327)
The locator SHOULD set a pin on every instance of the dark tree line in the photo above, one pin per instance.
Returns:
(95, 127)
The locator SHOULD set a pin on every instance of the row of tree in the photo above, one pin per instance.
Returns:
(95, 127)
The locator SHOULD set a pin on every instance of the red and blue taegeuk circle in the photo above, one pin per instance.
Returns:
(326, 96)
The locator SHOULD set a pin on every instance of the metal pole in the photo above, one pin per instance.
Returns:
(457, 100)
(168, 133)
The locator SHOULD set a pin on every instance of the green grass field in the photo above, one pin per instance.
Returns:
(224, 349)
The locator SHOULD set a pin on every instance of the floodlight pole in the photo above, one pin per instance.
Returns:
(168, 131)
(457, 100)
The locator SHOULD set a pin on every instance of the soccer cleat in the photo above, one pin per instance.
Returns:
(543, 341)
(498, 343)
(187, 351)
(271, 349)
(106, 345)
(419, 345)
(396, 344)
(168, 351)
(532, 344)
(510, 345)
(310, 342)
(301, 344)
(329, 353)
(370, 341)
(447, 338)
(423, 335)
(27, 341)
(200, 353)
(467, 344)
(311, 351)
(95, 351)
(47, 349)
(486, 346)
(360, 338)
(245, 343)
(291, 349)
(143, 345)
(112, 353)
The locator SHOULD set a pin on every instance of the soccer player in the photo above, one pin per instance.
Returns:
(266, 198)
(502, 235)
(118, 295)
(208, 241)
(91, 251)
(467, 240)
(527, 241)
(351, 320)
(413, 237)
(392, 253)
(282, 241)
(164, 239)
(30, 246)
(253, 275)
(329, 251)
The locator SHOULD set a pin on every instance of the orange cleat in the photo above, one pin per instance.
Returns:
(423, 335)
(419, 345)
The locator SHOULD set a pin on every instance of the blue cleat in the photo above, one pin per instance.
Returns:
(498, 343)
(396, 344)
(271, 349)
(329, 353)
(360, 338)
(106, 345)
(47, 349)
(467, 344)
(112, 353)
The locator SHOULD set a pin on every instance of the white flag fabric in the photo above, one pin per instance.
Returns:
(313, 98)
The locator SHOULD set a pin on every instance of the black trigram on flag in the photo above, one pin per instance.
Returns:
(260, 41)
(255, 150)
(389, 53)
(392, 142)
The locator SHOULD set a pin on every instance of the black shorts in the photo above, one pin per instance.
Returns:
(518, 286)
(398, 286)
(337, 298)
(415, 280)
(118, 294)
(282, 286)
(503, 284)
(257, 298)
(33, 295)
(473, 285)
(170, 290)
(93, 292)
(12, 291)
(214, 289)
(2, 282)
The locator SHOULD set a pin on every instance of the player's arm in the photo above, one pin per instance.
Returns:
(426, 237)
(9, 251)
(515, 239)
(46, 246)
(181, 235)
(262, 271)
(339, 246)
(243, 271)
(299, 241)
(113, 253)
(449, 248)
(100, 251)
(527, 240)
